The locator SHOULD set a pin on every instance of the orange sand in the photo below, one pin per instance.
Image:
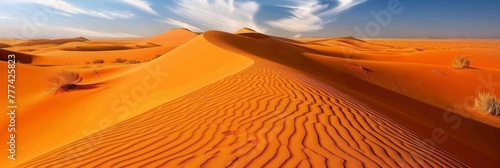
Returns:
(248, 99)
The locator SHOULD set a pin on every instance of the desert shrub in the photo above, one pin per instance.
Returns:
(487, 103)
(120, 60)
(460, 62)
(134, 61)
(98, 61)
(64, 81)
(87, 62)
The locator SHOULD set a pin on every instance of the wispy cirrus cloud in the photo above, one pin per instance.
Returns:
(312, 15)
(180, 24)
(229, 15)
(91, 33)
(226, 15)
(303, 18)
(142, 5)
(68, 9)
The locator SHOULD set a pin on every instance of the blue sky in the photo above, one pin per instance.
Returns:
(289, 18)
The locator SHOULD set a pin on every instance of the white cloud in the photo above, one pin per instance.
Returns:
(90, 33)
(118, 14)
(225, 15)
(68, 9)
(311, 15)
(342, 6)
(180, 24)
(302, 19)
(5, 17)
(142, 5)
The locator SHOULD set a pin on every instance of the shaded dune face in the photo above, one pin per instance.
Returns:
(24, 58)
(266, 115)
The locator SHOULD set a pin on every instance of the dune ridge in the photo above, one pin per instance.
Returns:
(178, 35)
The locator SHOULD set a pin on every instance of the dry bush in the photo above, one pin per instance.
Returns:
(134, 61)
(460, 62)
(487, 103)
(120, 60)
(98, 61)
(87, 62)
(64, 81)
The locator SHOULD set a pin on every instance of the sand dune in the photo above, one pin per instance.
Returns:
(332, 68)
(245, 30)
(253, 100)
(178, 35)
(48, 41)
(3, 45)
(11, 41)
(181, 71)
(439, 43)
(146, 45)
(24, 58)
(263, 116)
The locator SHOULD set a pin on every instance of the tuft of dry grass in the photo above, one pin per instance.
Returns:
(133, 61)
(460, 62)
(487, 103)
(98, 61)
(120, 60)
(64, 81)
(359, 69)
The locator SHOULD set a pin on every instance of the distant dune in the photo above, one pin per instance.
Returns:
(47, 41)
(22, 57)
(247, 99)
(245, 30)
(439, 43)
(178, 35)
(2, 45)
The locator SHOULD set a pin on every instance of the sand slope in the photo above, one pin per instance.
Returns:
(176, 73)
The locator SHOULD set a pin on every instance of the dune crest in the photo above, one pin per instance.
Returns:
(179, 35)
(245, 30)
